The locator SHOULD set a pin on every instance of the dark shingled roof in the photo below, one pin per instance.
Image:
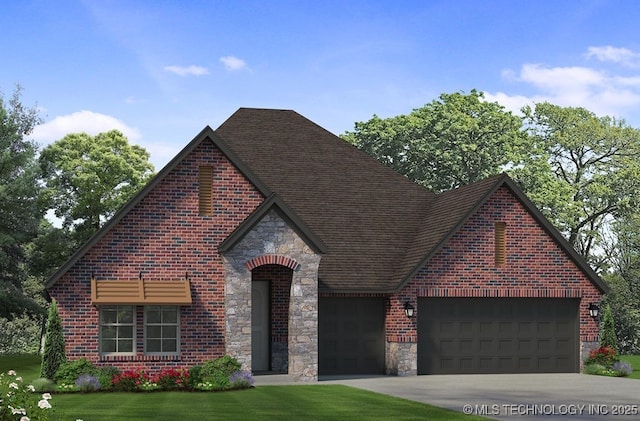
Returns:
(363, 211)
(374, 227)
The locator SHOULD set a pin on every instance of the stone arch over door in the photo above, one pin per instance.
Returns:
(273, 241)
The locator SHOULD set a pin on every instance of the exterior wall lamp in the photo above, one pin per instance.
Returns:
(594, 310)
(409, 309)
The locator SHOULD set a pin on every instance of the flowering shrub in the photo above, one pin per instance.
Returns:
(87, 383)
(130, 380)
(622, 368)
(172, 378)
(18, 401)
(241, 380)
(605, 356)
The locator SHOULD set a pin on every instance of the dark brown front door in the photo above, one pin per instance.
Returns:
(497, 335)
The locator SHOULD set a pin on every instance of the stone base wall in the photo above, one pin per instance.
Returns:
(585, 348)
(401, 358)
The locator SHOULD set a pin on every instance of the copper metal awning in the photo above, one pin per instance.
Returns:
(142, 292)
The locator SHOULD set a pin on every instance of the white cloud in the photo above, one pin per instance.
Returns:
(232, 63)
(187, 70)
(82, 121)
(574, 86)
(612, 54)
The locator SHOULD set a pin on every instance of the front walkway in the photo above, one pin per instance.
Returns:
(569, 397)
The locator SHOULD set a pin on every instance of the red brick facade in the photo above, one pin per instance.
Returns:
(164, 238)
(465, 267)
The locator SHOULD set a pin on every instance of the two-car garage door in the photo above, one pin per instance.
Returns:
(497, 335)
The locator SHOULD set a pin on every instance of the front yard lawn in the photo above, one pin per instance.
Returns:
(320, 402)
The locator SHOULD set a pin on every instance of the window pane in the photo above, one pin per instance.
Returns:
(125, 345)
(108, 332)
(125, 314)
(169, 345)
(169, 331)
(125, 332)
(154, 332)
(108, 345)
(154, 315)
(153, 345)
(170, 315)
(108, 315)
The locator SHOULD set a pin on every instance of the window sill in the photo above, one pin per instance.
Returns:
(139, 357)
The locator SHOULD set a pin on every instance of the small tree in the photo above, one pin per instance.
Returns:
(608, 337)
(54, 353)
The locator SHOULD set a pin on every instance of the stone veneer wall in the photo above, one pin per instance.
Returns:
(272, 240)
(465, 267)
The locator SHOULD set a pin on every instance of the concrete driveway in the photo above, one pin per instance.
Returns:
(569, 397)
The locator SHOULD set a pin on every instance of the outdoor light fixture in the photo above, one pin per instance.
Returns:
(594, 309)
(408, 309)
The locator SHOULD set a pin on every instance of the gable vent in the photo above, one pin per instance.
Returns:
(205, 191)
(500, 244)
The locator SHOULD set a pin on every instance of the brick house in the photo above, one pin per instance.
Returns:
(274, 241)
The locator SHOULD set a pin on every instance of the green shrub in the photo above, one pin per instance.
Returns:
(69, 372)
(54, 353)
(21, 335)
(217, 371)
(44, 385)
(195, 376)
(105, 375)
(594, 368)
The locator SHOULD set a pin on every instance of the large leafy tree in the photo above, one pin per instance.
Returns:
(20, 214)
(454, 140)
(584, 172)
(88, 178)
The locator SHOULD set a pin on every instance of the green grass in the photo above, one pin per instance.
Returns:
(320, 402)
(27, 366)
(634, 360)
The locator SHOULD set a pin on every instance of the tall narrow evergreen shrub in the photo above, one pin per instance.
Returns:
(608, 334)
(54, 353)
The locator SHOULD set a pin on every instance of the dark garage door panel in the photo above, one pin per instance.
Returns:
(497, 335)
(351, 336)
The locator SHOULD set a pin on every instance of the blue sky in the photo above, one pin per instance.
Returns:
(160, 71)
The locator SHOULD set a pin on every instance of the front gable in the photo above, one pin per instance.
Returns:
(161, 237)
(536, 264)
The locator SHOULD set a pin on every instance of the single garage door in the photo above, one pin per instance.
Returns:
(351, 336)
(497, 335)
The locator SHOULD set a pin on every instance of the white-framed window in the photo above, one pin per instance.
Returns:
(161, 330)
(117, 330)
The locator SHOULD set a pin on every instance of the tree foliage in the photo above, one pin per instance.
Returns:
(452, 141)
(88, 178)
(20, 214)
(583, 172)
